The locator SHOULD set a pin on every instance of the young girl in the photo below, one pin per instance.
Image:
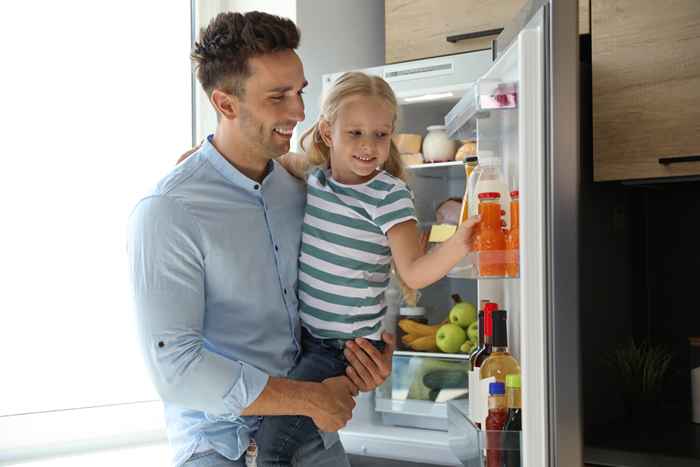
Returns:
(359, 217)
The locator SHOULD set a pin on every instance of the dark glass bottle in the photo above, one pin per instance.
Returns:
(511, 458)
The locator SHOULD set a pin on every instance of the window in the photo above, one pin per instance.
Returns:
(96, 107)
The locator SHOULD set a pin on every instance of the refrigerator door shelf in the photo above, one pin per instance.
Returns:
(475, 263)
(469, 443)
(485, 96)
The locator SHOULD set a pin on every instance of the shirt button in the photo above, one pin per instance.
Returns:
(256, 187)
(285, 291)
(277, 248)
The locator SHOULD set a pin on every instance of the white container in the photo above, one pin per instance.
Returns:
(437, 146)
(695, 376)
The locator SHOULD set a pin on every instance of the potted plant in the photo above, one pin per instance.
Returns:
(641, 371)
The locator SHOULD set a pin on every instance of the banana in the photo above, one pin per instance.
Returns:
(408, 338)
(411, 327)
(424, 344)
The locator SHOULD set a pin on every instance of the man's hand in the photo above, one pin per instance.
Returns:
(333, 403)
(368, 366)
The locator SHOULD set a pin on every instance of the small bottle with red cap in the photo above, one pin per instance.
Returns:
(491, 240)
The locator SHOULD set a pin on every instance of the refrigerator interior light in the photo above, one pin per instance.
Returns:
(428, 97)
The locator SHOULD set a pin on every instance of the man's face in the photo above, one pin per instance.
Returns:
(272, 103)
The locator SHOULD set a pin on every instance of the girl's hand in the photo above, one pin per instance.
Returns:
(466, 231)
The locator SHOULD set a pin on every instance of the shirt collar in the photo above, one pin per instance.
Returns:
(229, 171)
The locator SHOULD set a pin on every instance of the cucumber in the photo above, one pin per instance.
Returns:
(445, 379)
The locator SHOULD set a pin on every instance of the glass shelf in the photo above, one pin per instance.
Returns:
(484, 265)
(440, 170)
(478, 101)
(472, 445)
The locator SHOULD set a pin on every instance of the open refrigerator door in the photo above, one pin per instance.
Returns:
(505, 110)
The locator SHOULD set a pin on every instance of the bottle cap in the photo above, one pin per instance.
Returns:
(513, 380)
(412, 311)
(489, 195)
(514, 193)
(497, 388)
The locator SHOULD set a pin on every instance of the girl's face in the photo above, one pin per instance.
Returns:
(359, 138)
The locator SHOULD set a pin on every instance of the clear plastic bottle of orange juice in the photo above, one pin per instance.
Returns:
(513, 237)
(491, 240)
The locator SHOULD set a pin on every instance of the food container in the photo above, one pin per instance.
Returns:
(419, 387)
(407, 143)
(437, 146)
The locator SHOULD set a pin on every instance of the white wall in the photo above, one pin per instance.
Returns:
(337, 35)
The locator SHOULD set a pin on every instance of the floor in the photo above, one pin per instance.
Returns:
(158, 455)
(363, 461)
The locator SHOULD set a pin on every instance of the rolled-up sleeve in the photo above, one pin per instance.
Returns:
(166, 258)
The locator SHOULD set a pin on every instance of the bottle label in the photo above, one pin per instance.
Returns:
(482, 408)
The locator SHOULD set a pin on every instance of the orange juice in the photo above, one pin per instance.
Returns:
(513, 237)
(491, 240)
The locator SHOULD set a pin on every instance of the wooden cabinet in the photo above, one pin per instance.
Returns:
(419, 28)
(646, 88)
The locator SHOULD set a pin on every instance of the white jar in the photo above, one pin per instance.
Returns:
(437, 147)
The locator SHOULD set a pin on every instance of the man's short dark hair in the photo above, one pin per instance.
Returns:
(225, 46)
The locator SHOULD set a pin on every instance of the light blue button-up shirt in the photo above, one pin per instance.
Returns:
(213, 262)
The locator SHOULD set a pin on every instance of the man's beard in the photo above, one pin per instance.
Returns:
(258, 137)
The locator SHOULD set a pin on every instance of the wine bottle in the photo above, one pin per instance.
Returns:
(511, 457)
(500, 362)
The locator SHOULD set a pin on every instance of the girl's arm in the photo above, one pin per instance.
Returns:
(295, 163)
(419, 270)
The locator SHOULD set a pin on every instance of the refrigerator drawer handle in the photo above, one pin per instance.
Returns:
(474, 35)
(677, 159)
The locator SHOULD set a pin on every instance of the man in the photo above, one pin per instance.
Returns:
(213, 255)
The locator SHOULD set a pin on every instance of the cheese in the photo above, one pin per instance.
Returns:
(441, 232)
(412, 159)
(407, 143)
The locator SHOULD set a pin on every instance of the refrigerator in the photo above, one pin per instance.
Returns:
(534, 131)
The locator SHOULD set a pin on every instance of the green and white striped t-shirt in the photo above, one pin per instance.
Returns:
(345, 259)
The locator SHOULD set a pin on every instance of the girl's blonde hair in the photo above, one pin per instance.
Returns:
(352, 84)
(319, 154)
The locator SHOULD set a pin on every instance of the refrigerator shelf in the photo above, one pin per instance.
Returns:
(478, 101)
(476, 263)
(433, 165)
(450, 170)
(413, 353)
(469, 443)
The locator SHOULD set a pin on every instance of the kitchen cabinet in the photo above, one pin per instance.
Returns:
(420, 28)
(646, 82)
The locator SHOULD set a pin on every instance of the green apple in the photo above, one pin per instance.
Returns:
(450, 337)
(473, 332)
(462, 314)
(467, 347)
